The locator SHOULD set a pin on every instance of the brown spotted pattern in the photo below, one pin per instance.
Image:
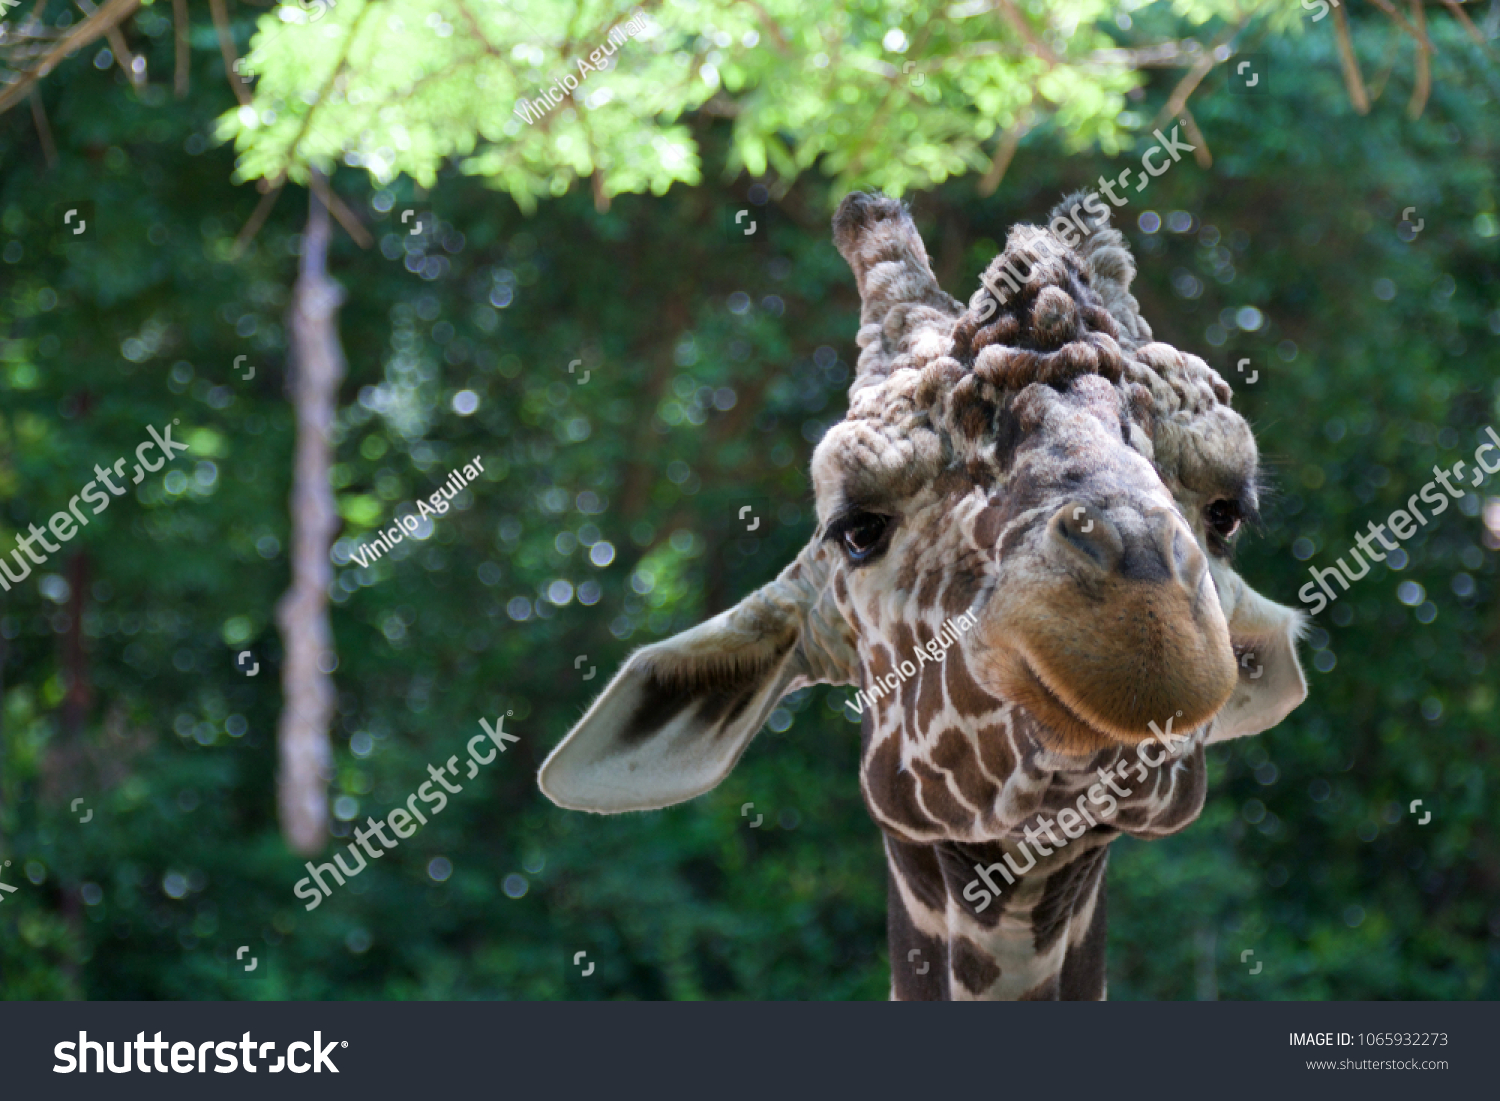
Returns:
(950, 430)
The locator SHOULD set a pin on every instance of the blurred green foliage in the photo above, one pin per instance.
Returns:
(894, 95)
(608, 518)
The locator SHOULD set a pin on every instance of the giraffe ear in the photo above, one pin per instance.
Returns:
(1265, 635)
(676, 718)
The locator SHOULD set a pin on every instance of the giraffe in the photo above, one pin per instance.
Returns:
(1022, 563)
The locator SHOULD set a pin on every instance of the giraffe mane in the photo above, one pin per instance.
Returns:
(1071, 313)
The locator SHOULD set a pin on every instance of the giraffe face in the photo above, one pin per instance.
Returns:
(1042, 467)
(1038, 466)
(1035, 514)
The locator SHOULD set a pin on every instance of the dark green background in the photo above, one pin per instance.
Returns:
(1305, 853)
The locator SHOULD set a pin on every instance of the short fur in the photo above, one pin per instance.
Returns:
(1043, 470)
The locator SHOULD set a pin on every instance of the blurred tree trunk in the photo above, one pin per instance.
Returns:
(317, 366)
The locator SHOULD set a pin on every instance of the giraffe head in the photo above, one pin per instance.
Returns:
(1034, 468)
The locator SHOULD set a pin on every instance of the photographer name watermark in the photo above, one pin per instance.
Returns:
(551, 98)
(435, 505)
(932, 653)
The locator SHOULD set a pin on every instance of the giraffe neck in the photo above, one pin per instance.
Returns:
(1042, 939)
(997, 838)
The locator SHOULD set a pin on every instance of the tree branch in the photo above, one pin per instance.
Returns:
(302, 613)
(1420, 35)
(118, 47)
(257, 218)
(1164, 55)
(1352, 80)
(596, 178)
(43, 129)
(1003, 154)
(1201, 154)
(1018, 23)
(1468, 25)
(346, 217)
(95, 26)
(1423, 87)
(489, 47)
(226, 47)
(1177, 101)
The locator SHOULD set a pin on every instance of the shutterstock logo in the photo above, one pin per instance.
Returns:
(188, 1058)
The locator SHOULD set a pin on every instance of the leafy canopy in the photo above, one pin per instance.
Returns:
(881, 94)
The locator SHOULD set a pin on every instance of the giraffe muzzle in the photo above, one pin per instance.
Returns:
(1119, 625)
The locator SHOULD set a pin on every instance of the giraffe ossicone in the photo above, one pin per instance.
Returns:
(1037, 464)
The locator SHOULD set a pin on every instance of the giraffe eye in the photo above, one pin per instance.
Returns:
(1223, 518)
(862, 534)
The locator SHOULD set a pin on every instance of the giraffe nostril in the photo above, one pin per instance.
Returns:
(1084, 531)
(1188, 559)
(1156, 547)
